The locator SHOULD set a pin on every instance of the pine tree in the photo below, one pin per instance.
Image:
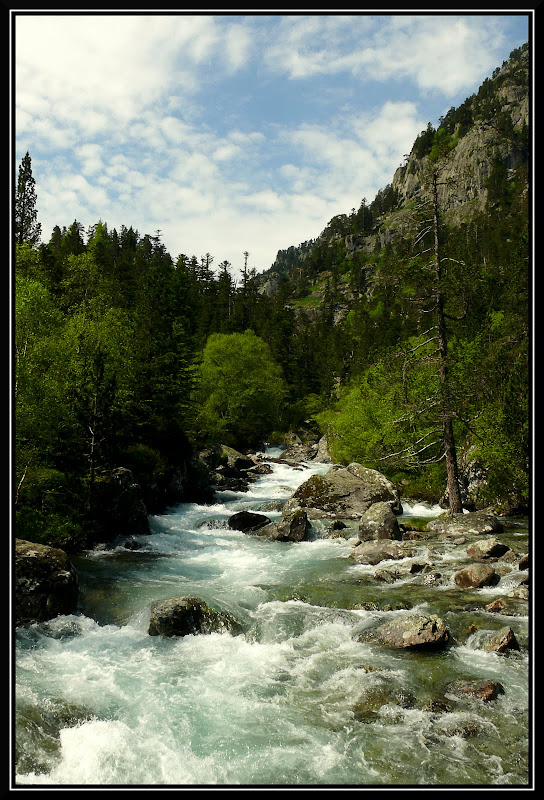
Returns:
(27, 228)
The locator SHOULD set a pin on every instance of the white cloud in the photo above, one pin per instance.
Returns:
(436, 52)
(91, 158)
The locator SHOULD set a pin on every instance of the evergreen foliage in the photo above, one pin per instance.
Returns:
(27, 227)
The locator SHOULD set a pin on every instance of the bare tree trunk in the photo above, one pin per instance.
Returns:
(454, 492)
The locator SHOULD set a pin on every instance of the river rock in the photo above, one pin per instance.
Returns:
(379, 522)
(374, 552)
(509, 606)
(293, 527)
(484, 690)
(475, 522)
(505, 639)
(345, 493)
(181, 616)
(387, 575)
(487, 548)
(248, 521)
(410, 631)
(260, 469)
(521, 592)
(299, 452)
(46, 583)
(235, 460)
(323, 455)
(475, 576)
(524, 562)
(368, 707)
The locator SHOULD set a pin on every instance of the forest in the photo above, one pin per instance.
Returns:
(127, 356)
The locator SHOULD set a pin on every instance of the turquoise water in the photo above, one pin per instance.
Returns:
(100, 702)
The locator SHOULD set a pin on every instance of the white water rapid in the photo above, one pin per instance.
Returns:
(101, 703)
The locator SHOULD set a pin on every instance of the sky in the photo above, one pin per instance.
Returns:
(233, 133)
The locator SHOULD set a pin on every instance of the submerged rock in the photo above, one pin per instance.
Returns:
(46, 583)
(181, 616)
(368, 707)
(475, 690)
(410, 631)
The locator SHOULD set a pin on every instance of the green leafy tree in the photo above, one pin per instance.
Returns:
(240, 389)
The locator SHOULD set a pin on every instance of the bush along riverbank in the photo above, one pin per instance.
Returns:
(388, 631)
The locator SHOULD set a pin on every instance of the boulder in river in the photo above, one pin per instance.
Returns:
(475, 576)
(294, 526)
(46, 583)
(509, 606)
(181, 616)
(505, 639)
(475, 522)
(374, 552)
(379, 522)
(234, 459)
(410, 631)
(345, 493)
(248, 521)
(487, 548)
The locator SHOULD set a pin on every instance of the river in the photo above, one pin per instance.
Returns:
(101, 703)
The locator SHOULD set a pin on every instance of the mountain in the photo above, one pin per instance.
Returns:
(486, 143)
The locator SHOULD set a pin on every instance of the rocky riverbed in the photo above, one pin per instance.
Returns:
(335, 634)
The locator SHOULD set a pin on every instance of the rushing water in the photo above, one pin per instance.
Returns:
(100, 702)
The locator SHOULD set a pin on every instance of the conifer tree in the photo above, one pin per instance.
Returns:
(27, 228)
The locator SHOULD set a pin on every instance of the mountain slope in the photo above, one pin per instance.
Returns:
(487, 142)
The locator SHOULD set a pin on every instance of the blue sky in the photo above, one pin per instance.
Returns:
(235, 132)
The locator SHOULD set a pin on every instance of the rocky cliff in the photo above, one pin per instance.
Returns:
(482, 148)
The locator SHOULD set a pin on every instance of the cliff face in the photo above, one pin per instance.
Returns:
(497, 135)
